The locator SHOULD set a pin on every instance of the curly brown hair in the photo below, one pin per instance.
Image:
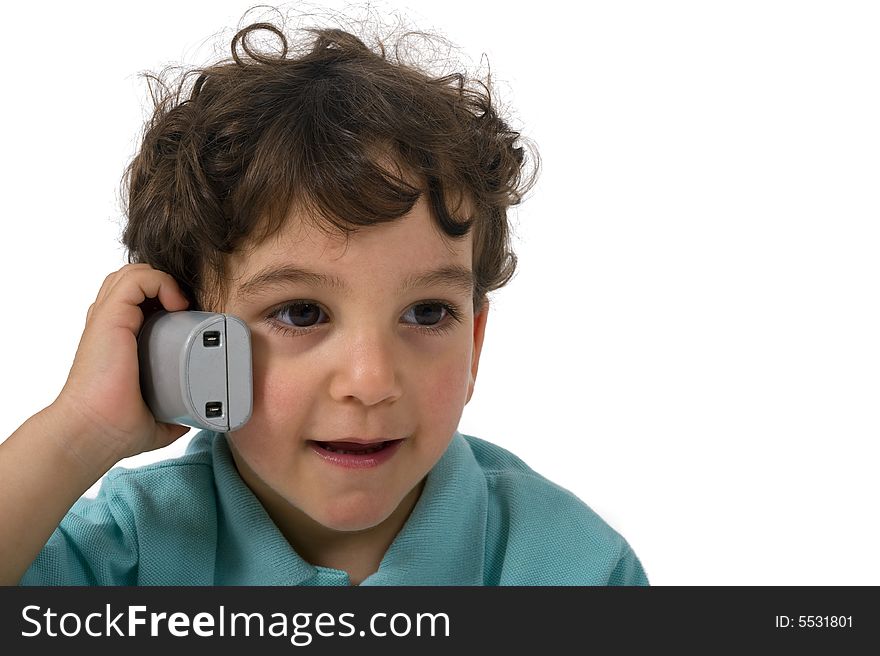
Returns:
(224, 160)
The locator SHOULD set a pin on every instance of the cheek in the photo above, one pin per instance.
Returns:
(286, 396)
(281, 383)
(281, 402)
(442, 390)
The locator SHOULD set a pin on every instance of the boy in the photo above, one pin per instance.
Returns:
(352, 211)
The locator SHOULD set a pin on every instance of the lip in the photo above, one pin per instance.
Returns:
(355, 461)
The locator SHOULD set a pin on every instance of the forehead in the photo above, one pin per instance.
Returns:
(389, 256)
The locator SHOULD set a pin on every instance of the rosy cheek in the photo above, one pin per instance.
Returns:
(445, 391)
(284, 401)
(280, 401)
(278, 382)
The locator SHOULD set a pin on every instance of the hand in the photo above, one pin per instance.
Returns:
(101, 401)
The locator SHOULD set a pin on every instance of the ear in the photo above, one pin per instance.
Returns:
(479, 332)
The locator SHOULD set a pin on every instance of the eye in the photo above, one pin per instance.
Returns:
(301, 314)
(300, 317)
(430, 314)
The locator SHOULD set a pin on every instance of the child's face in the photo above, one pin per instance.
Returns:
(369, 359)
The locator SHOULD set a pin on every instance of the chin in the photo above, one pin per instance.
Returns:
(354, 516)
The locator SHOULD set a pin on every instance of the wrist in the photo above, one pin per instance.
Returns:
(77, 440)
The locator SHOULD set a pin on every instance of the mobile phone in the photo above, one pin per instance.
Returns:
(196, 369)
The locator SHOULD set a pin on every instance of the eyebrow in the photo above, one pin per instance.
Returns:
(454, 276)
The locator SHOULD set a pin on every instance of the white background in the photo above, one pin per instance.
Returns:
(691, 343)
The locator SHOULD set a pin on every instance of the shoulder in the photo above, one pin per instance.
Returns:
(176, 490)
(539, 533)
(512, 482)
(516, 489)
(139, 529)
(166, 478)
(177, 494)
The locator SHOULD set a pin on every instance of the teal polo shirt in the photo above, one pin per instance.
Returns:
(484, 518)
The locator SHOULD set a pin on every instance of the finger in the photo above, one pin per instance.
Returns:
(152, 284)
(124, 293)
(124, 275)
(118, 276)
(145, 288)
(106, 286)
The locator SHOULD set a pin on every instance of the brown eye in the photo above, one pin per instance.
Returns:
(301, 315)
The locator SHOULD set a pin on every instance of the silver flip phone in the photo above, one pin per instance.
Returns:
(196, 370)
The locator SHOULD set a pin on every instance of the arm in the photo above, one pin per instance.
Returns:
(628, 571)
(98, 419)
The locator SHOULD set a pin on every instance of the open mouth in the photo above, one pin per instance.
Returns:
(353, 455)
(354, 448)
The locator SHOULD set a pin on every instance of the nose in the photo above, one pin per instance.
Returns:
(366, 372)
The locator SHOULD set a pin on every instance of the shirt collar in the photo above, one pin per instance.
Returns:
(441, 543)
(250, 548)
